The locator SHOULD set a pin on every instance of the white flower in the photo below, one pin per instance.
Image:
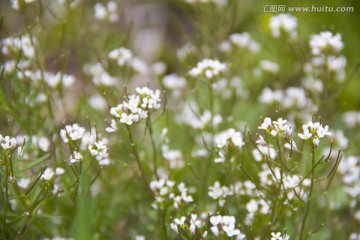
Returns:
(229, 136)
(314, 131)
(108, 12)
(59, 171)
(139, 237)
(326, 42)
(185, 51)
(244, 40)
(219, 192)
(194, 223)
(351, 119)
(8, 142)
(137, 108)
(97, 102)
(208, 67)
(127, 118)
(23, 43)
(266, 124)
(44, 144)
(276, 128)
(283, 23)
(252, 206)
(122, 56)
(23, 182)
(262, 150)
(227, 224)
(277, 236)
(174, 227)
(180, 221)
(269, 66)
(113, 127)
(75, 132)
(48, 174)
(174, 157)
(75, 157)
(100, 151)
(173, 81)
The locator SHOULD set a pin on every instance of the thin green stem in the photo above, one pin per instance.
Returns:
(138, 161)
(302, 230)
(154, 157)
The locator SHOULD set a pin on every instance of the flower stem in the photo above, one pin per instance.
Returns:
(138, 161)
(310, 193)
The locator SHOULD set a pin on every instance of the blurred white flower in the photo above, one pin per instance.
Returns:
(23, 182)
(107, 12)
(48, 174)
(283, 23)
(326, 43)
(7, 142)
(244, 40)
(209, 68)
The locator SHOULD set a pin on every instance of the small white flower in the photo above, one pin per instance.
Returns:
(208, 67)
(75, 157)
(75, 132)
(283, 23)
(23, 182)
(244, 40)
(269, 66)
(8, 142)
(326, 42)
(48, 174)
(174, 227)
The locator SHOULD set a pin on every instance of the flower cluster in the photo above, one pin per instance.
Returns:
(108, 12)
(174, 82)
(72, 133)
(121, 55)
(229, 137)
(263, 149)
(226, 141)
(240, 40)
(349, 168)
(220, 193)
(283, 23)
(269, 66)
(292, 98)
(82, 140)
(168, 192)
(225, 224)
(175, 157)
(191, 226)
(352, 119)
(279, 236)
(191, 115)
(326, 42)
(100, 151)
(314, 132)
(326, 48)
(277, 128)
(50, 173)
(137, 108)
(99, 75)
(209, 68)
(51, 79)
(24, 44)
(7, 142)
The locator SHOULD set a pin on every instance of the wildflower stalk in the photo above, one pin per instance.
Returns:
(310, 193)
(154, 157)
(138, 161)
